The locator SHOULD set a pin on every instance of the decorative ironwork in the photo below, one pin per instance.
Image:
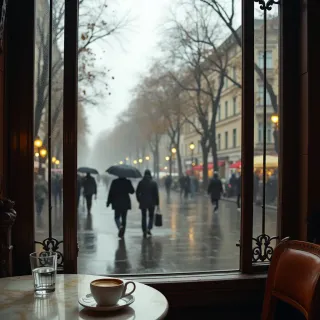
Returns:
(267, 5)
(52, 245)
(262, 251)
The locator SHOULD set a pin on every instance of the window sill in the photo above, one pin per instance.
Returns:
(234, 289)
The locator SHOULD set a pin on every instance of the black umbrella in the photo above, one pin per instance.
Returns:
(87, 170)
(124, 171)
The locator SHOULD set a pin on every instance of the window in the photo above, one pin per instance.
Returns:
(199, 146)
(269, 133)
(234, 138)
(269, 59)
(260, 97)
(234, 105)
(219, 113)
(234, 73)
(219, 142)
(226, 109)
(226, 138)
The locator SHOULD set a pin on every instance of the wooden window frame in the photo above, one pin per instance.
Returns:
(181, 290)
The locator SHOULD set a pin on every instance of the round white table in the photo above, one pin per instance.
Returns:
(17, 301)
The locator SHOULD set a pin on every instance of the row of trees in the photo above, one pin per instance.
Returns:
(185, 85)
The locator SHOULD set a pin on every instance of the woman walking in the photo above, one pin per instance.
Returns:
(148, 197)
(119, 198)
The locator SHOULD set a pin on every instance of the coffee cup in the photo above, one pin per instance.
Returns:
(108, 291)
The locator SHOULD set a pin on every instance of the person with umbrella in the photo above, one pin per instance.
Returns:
(89, 186)
(148, 197)
(119, 198)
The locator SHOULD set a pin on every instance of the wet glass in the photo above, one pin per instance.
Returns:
(44, 270)
(160, 89)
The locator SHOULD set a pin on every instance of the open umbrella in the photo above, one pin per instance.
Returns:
(124, 171)
(87, 170)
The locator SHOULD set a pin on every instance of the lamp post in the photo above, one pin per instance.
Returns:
(140, 162)
(173, 158)
(275, 121)
(191, 147)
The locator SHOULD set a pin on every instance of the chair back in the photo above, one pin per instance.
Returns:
(293, 278)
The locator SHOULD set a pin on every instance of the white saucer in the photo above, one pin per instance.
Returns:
(87, 301)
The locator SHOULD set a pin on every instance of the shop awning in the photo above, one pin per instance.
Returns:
(221, 163)
(236, 165)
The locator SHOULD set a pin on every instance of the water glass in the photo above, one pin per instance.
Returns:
(44, 270)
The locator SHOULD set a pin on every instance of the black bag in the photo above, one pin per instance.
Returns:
(158, 219)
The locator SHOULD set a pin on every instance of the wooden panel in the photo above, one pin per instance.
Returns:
(70, 115)
(19, 105)
(289, 115)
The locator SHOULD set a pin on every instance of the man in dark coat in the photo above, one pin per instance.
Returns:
(89, 186)
(187, 186)
(119, 198)
(148, 197)
(167, 184)
(79, 187)
(215, 190)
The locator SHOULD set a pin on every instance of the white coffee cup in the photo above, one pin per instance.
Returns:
(108, 291)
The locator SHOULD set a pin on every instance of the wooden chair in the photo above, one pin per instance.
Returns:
(293, 280)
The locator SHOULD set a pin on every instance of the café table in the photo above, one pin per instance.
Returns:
(18, 301)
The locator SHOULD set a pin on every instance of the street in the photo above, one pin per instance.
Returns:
(192, 238)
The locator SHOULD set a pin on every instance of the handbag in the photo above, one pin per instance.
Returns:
(158, 219)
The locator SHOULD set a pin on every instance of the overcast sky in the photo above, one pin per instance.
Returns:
(127, 60)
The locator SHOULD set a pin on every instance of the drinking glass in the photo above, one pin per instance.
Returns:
(44, 270)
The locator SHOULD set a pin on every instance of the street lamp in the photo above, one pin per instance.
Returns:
(147, 158)
(54, 159)
(275, 121)
(191, 147)
(127, 159)
(140, 160)
(121, 162)
(43, 152)
(167, 158)
(37, 154)
(174, 150)
(38, 142)
(135, 161)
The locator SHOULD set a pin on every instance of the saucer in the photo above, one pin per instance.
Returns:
(87, 301)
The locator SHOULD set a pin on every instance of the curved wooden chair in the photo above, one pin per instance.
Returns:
(294, 281)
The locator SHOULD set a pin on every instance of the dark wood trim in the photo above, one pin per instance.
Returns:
(19, 105)
(247, 147)
(70, 116)
(289, 116)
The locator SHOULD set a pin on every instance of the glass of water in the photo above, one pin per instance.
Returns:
(44, 270)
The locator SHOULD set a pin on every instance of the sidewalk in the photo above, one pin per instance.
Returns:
(234, 199)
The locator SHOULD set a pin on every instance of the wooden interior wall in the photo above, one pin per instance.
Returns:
(2, 130)
(310, 120)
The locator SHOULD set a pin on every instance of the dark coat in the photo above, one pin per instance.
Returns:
(215, 189)
(238, 185)
(89, 186)
(147, 193)
(119, 196)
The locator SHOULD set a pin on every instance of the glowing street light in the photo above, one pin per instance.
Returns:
(275, 119)
(54, 159)
(43, 152)
(121, 162)
(174, 150)
(38, 142)
(37, 154)
(135, 162)
(147, 158)
(140, 160)
(127, 159)
(167, 158)
(191, 146)
(57, 162)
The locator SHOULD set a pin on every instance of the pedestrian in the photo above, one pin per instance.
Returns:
(168, 184)
(233, 184)
(79, 187)
(57, 190)
(41, 193)
(215, 190)
(181, 183)
(256, 182)
(119, 199)
(89, 189)
(187, 186)
(148, 197)
(192, 186)
(238, 190)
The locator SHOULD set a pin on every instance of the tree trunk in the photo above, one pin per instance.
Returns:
(179, 162)
(205, 154)
(213, 147)
(170, 166)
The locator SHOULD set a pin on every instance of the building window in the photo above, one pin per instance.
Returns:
(219, 112)
(234, 73)
(269, 59)
(260, 96)
(234, 105)
(226, 138)
(269, 133)
(234, 138)
(219, 142)
(226, 111)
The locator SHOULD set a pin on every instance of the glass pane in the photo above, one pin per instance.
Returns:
(160, 89)
(266, 131)
(49, 126)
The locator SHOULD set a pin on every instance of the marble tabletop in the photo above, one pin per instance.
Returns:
(17, 301)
